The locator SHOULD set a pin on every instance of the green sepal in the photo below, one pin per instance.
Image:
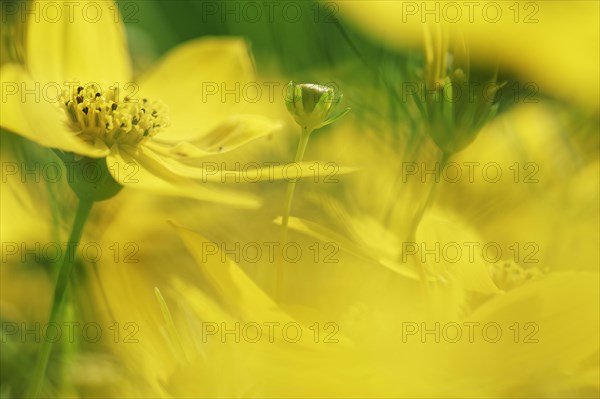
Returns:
(90, 178)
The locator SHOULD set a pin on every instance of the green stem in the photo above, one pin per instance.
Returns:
(443, 160)
(397, 185)
(60, 292)
(289, 197)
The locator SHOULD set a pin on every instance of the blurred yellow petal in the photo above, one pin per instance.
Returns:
(232, 284)
(82, 40)
(19, 285)
(252, 172)
(453, 249)
(201, 83)
(233, 132)
(258, 367)
(135, 311)
(145, 172)
(550, 325)
(362, 251)
(34, 117)
(553, 44)
(547, 189)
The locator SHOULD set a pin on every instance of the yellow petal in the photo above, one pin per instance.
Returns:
(233, 285)
(553, 44)
(452, 248)
(82, 40)
(143, 171)
(211, 171)
(362, 250)
(550, 325)
(543, 169)
(230, 134)
(193, 81)
(34, 116)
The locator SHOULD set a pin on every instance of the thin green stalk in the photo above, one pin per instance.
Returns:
(289, 197)
(398, 184)
(69, 349)
(172, 332)
(60, 292)
(443, 160)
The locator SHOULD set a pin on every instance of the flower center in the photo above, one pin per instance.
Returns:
(97, 114)
(508, 275)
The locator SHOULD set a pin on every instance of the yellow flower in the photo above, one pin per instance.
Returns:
(544, 170)
(75, 93)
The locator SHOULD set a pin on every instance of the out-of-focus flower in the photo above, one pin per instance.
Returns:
(554, 44)
(547, 195)
(382, 334)
(537, 290)
(548, 319)
(452, 117)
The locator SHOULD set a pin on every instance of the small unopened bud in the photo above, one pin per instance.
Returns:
(311, 105)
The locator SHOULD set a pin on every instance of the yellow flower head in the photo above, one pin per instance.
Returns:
(119, 122)
(98, 115)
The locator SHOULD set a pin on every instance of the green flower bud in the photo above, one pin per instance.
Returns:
(311, 105)
(90, 179)
(455, 102)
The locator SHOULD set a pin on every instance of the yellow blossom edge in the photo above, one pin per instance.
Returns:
(553, 44)
(87, 41)
(438, 230)
(232, 133)
(250, 172)
(362, 252)
(203, 82)
(136, 169)
(233, 285)
(551, 325)
(37, 119)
